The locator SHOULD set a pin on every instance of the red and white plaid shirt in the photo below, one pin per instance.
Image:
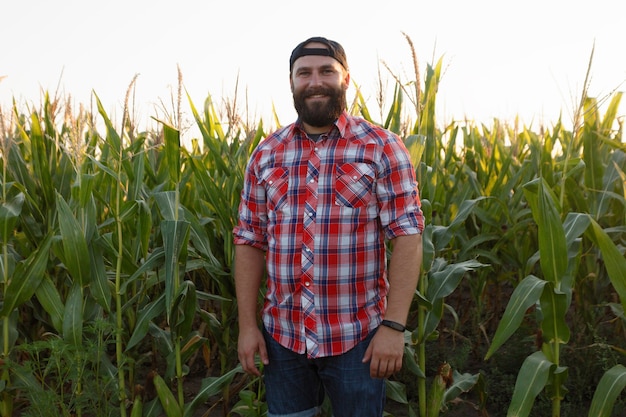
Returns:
(322, 210)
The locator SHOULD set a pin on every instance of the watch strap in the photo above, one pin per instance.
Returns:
(393, 325)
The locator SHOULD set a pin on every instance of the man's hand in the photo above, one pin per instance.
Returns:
(385, 352)
(250, 343)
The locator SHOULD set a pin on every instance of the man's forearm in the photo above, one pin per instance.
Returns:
(249, 270)
(404, 271)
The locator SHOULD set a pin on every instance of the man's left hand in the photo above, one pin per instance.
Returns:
(385, 352)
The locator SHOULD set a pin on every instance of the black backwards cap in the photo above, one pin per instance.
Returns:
(333, 50)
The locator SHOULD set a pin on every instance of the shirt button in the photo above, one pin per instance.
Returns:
(354, 177)
(271, 182)
(312, 181)
(307, 284)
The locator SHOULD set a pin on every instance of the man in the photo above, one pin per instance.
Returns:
(320, 198)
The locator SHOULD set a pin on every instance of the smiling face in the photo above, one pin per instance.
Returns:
(319, 85)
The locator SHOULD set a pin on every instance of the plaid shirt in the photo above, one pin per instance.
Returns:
(322, 210)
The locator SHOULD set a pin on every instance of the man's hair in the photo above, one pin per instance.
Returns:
(333, 49)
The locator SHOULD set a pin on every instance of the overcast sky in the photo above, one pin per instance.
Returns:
(501, 58)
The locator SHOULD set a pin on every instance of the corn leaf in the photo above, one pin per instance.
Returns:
(166, 397)
(552, 244)
(155, 259)
(554, 307)
(614, 259)
(145, 317)
(26, 278)
(396, 391)
(41, 165)
(210, 387)
(531, 380)
(99, 284)
(73, 316)
(172, 152)
(441, 284)
(75, 252)
(166, 201)
(9, 213)
(526, 294)
(443, 235)
(461, 383)
(175, 238)
(610, 386)
(50, 299)
(184, 308)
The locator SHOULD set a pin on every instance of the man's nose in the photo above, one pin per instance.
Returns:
(316, 79)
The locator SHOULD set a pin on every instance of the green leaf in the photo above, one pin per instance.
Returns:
(40, 162)
(526, 294)
(443, 235)
(440, 285)
(144, 226)
(461, 383)
(396, 390)
(50, 299)
(26, 278)
(554, 306)
(610, 386)
(531, 380)
(145, 317)
(210, 387)
(175, 238)
(166, 201)
(185, 306)
(172, 152)
(99, 284)
(73, 316)
(552, 246)
(614, 260)
(9, 213)
(168, 401)
(75, 252)
(155, 260)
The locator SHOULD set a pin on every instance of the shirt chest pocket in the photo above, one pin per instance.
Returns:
(354, 183)
(276, 183)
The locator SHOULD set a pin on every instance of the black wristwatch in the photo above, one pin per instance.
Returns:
(393, 325)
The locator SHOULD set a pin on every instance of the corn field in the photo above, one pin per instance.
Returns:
(117, 290)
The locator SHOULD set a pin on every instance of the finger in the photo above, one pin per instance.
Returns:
(263, 354)
(368, 354)
(247, 364)
(377, 368)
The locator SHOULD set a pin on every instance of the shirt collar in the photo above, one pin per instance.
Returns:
(341, 124)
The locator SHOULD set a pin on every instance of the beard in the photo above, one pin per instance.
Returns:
(323, 112)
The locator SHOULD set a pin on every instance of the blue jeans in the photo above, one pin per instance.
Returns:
(295, 386)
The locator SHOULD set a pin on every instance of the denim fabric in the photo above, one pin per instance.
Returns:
(295, 386)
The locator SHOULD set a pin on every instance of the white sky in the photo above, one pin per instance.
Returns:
(501, 58)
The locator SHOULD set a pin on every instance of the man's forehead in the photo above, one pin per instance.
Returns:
(315, 61)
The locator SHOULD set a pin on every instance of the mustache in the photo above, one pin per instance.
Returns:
(317, 91)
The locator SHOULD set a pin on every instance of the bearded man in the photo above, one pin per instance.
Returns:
(322, 199)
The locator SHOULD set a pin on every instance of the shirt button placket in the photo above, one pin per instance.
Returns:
(308, 255)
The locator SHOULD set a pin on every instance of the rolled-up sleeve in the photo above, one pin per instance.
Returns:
(398, 195)
(251, 228)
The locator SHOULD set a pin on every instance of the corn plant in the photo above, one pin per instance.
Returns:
(117, 252)
(566, 242)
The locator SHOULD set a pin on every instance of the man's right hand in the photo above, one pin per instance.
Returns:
(250, 343)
